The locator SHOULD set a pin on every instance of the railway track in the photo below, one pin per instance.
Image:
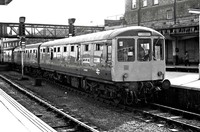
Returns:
(175, 119)
(187, 120)
(58, 119)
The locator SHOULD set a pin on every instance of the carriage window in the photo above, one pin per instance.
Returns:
(144, 48)
(87, 47)
(65, 49)
(51, 54)
(35, 53)
(98, 47)
(72, 48)
(158, 46)
(44, 50)
(109, 55)
(126, 49)
(28, 54)
(58, 49)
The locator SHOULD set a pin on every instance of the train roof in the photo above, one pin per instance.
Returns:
(33, 45)
(103, 36)
(9, 48)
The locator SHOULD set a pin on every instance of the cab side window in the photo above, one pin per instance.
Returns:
(158, 52)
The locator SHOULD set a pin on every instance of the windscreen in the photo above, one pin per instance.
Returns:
(143, 49)
(126, 50)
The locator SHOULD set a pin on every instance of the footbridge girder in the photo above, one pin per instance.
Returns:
(44, 31)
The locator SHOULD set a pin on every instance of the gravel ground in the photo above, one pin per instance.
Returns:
(105, 117)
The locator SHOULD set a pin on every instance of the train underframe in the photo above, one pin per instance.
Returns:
(121, 92)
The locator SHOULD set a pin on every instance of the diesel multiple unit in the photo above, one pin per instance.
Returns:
(126, 64)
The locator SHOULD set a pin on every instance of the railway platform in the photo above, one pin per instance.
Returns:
(14, 117)
(184, 92)
(182, 68)
(184, 79)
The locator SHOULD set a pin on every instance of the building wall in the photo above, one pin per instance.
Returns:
(164, 15)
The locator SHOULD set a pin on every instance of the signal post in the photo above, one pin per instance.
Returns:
(22, 37)
(71, 27)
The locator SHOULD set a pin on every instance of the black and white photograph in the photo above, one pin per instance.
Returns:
(100, 65)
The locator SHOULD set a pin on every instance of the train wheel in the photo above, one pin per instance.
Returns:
(117, 99)
(95, 92)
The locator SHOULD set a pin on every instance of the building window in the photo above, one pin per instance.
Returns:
(155, 2)
(144, 3)
(169, 14)
(133, 4)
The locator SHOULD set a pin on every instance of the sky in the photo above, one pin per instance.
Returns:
(86, 12)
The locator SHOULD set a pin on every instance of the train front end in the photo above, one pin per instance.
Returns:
(139, 63)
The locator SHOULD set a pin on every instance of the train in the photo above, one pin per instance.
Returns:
(124, 65)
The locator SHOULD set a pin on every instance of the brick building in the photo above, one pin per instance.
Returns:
(173, 20)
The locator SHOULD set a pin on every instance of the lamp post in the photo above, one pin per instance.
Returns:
(197, 11)
(22, 41)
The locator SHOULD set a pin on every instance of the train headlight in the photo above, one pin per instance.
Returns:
(125, 76)
(159, 73)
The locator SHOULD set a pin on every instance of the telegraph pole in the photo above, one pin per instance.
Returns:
(22, 36)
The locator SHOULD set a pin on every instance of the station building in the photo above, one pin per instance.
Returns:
(173, 20)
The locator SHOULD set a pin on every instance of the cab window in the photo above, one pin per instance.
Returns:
(126, 50)
(143, 49)
(158, 46)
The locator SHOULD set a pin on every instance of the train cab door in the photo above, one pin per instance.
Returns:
(144, 65)
(150, 59)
